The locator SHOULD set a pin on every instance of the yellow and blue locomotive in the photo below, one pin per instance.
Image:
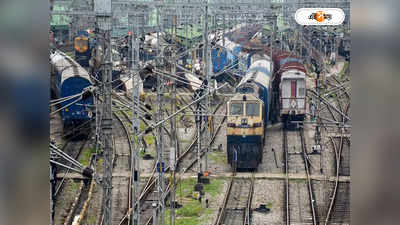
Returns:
(83, 46)
(248, 112)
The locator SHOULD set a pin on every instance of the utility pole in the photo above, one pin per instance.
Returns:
(52, 191)
(160, 141)
(197, 95)
(223, 31)
(318, 89)
(160, 152)
(103, 10)
(206, 53)
(135, 167)
(173, 142)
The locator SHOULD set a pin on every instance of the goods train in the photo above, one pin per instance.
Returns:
(70, 79)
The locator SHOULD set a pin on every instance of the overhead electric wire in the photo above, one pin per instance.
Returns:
(179, 80)
(176, 77)
(54, 112)
(64, 155)
(152, 127)
(60, 100)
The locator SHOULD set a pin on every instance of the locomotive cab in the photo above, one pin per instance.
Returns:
(82, 48)
(245, 131)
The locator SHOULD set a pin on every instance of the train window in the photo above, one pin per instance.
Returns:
(301, 92)
(252, 109)
(81, 44)
(236, 109)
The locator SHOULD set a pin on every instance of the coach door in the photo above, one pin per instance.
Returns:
(286, 93)
(293, 89)
(301, 93)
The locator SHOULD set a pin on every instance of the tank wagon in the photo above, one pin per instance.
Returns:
(70, 79)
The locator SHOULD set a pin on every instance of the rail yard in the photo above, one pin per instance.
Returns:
(210, 112)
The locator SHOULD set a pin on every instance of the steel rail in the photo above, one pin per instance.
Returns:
(247, 220)
(130, 153)
(180, 159)
(307, 168)
(334, 192)
(221, 213)
(75, 157)
(285, 149)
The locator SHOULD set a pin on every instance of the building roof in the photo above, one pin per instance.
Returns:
(60, 20)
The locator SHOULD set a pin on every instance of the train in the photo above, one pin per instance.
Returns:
(272, 86)
(83, 45)
(248, 112)
(71, 82)
(290, 82)
(229, 51)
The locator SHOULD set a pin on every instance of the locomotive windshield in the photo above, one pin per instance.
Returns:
(252, 109)
(245, 90)
(236, 109)
(81, 44)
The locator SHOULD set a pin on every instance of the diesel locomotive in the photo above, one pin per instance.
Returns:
(248, 112)
(83, 45)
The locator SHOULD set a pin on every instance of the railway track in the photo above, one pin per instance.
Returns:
(297, 139)
(286, 167)
(184, 163)
(74, 148)
(236, 206)
(309, 184)
(121, 193)
(147, 194)
(336, 111)
(340, 159)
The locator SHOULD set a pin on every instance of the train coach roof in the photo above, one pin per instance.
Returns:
(259, 73)
(292, 66)
(292, 74)
(239, 97)
(67, 67)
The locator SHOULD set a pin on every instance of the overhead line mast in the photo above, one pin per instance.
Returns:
(103, 10)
